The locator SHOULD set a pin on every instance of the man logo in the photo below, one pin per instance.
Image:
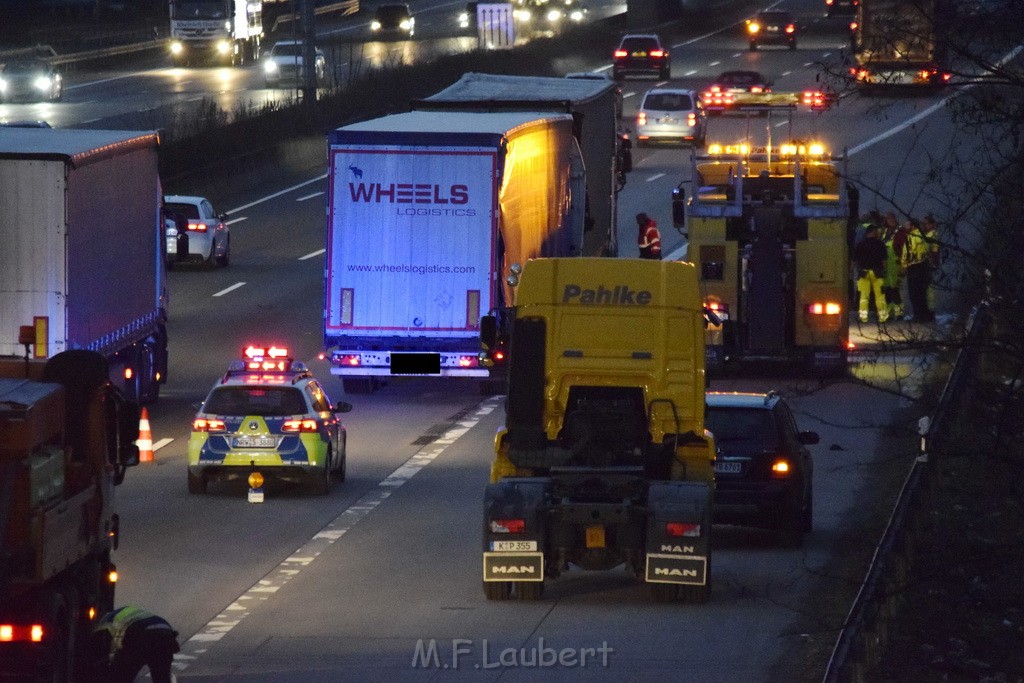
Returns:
(680, 573)
(512, 569)
(684, 549)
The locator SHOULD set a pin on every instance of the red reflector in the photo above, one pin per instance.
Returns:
(790, 28)
(682, 529)
(508, 526)
(499, 355)
(299, 426)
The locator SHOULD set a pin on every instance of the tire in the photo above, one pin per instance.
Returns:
(339, 472)
(497, 590)
(358, 385)
(320, 484)
(211, 260)
(528, 590)
(808, 516)
(196, 483)
(225, 260)
(664, 592)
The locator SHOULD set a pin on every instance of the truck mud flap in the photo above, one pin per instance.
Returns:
(513, 566)
(678, 533)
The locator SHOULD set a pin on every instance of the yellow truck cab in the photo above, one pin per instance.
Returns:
(767, 230)
(604, 459)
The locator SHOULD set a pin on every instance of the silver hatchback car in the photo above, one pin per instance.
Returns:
(195, 232)
(671, 115)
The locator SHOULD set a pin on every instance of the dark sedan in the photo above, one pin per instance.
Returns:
(30, 79)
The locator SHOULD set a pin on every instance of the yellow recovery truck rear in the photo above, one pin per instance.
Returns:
(604, 459)
(767, 231)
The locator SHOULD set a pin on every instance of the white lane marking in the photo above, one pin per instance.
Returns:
(160, 444)
(737, 55)
(927, 112)
(278, 194)
(275, 579)
(312, 254)
(230, 289)
(827, 54)
(808, 63)
(655, 177)
(780, 124)
(786, 73)
(690, 73)
(236, 220)
(628, 94)
(310, 196)
(196, 99)
(715, 63)
(91, 121)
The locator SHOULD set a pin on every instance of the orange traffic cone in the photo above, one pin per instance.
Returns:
(145, 442)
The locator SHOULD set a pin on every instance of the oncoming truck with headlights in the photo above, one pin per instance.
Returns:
(603, 459)
(767, 231)
(215, 31)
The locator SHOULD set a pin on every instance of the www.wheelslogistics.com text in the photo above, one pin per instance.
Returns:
(461, 653)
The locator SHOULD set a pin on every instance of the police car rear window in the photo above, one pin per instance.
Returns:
(742, 425)
(264, 401)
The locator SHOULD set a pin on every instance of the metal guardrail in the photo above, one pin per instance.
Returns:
(882, 594)
(47, 52)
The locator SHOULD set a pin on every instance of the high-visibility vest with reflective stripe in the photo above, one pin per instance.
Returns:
(116, 623)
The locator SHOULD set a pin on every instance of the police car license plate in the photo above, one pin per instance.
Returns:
(728, 467)
(254, 442)
(514, 546)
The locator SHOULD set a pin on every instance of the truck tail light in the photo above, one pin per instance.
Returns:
(197, 227)
(300, 426)
(659, 54)
(508, 526)
(682, 529)
(756, 88)
(467, 361)
(349, 359)
(204, 424)
(853, 25)
(16, 633)
(791, 28)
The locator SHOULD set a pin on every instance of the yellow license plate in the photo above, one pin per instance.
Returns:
(595, 536)
(639, 54)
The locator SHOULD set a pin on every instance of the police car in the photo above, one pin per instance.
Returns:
(267, 414)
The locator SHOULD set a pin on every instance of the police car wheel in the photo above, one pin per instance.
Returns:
(339, 472)
(320, 484)
(196, 483)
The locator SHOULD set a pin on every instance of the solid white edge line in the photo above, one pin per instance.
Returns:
(230, 289)
(309, 196)
(236, 220)
(312, 254)
(278, 194)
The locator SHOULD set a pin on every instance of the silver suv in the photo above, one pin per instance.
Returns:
(671, 115)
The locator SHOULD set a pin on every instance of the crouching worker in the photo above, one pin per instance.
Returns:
(127, 639)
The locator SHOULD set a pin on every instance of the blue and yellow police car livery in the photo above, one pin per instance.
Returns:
(267, 414)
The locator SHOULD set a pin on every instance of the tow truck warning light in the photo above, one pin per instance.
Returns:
(812, 149)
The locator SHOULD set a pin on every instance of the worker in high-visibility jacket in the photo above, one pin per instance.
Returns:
(648, 240)
(920, 259)
(127, 639)
(870, 256)
(895, 237)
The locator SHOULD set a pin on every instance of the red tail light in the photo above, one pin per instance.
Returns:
(853, 25)
(197, 227)
(824, 308)
(300, 426)
(507, 526)
(682, 530)
(790, 29)
(756, 88)
(499, 355)
(205, 424)
(658, 53)
(620, 53)
(716, 88)
(829, 2)
(781, 468)
(16, 633)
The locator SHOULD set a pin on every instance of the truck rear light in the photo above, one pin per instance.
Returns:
(128, 373)
(853, 25)
(829, 2)
(498, 355)
(781, 468)
(15, 633)
(204, 424)
(197, 227)
(619, 54)
(350, 359)
(467, 361)
(824, 308)
(112, 576)
(682, 530)
(508, 526)
(300, 426)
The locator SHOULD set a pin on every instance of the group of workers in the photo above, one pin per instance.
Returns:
(887, 254)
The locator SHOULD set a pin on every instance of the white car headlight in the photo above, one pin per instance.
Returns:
(523, 15)
(42, 83)
(223, 47)
(177, 48)
(554, 15)
(577, 15)
(406, 24)
(374, 25)
(270, 67)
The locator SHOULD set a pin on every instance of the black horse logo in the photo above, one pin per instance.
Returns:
(357, 172)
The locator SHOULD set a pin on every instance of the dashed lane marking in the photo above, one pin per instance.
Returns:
(160, 444)
(312, 254)
(230, 289)
(261, 591)
(655, 177)
(236, 220)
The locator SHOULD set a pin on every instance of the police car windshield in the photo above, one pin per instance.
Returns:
(264, 401)
(742, 424)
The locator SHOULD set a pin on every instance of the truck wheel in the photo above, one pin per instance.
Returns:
(528, 590)
(497, 590)
(358, 385)
(196, 483)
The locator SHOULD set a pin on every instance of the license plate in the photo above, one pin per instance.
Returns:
(514, 546)
(254, 442)
(728, 467)
(666, 120)
(639, 54)
(773, 28)
(595, 536)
